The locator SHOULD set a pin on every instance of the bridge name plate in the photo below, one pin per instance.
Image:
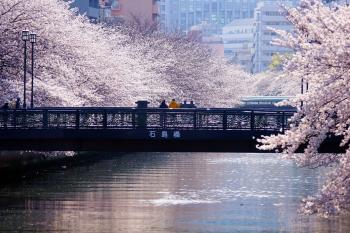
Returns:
(165, 134)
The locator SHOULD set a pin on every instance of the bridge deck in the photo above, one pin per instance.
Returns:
(135, 129)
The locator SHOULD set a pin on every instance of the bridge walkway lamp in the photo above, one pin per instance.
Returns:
(32, 40)
(25, 38)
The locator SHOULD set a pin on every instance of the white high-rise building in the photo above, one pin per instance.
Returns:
(268, 14)
(248, 41)
(181, 15)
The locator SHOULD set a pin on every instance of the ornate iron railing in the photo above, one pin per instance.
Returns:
(148, 118)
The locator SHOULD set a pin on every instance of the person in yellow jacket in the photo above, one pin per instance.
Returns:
(174, 104)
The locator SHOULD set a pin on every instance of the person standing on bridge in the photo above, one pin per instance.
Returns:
(162, 114)
(163, 105)
(18, 103)
(174, 104)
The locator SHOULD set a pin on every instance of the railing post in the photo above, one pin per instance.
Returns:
(194, 120)
(163, 119)
(252, 121)
(5, 116)
(142, 114)
(24, 118)
(77, 119)
(166, 120)
(45, 118)
(224, 121)
(142, 118)
(14, 119)
(122, 118)
(105, 119)
(133, 119)
(283, 121)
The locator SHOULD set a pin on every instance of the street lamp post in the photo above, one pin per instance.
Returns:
(302, 88)
(25, 38)
(32, 40)
(302, 91)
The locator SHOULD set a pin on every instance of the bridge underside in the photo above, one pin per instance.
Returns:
(140, 140)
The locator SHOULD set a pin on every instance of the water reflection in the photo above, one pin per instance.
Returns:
(173, 192)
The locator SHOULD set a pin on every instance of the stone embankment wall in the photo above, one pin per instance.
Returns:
(13, 160)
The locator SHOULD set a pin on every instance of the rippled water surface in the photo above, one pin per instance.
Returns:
(167, 192)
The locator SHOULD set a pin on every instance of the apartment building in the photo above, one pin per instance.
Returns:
(128, 10)
(238, 39)
(96, 10)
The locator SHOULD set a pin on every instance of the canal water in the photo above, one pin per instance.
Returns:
(167, 192)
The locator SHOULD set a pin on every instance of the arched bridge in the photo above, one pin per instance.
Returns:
(141, 129)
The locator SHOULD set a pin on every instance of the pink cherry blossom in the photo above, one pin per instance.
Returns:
(321, 44)
(81, 63)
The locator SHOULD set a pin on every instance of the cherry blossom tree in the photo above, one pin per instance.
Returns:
(273, 83)
(191, 71)
(81, 63)
(321, 42)
(77, 62)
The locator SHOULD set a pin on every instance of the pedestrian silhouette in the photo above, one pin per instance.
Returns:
(163, 105)
(174, 104)
(18, 103)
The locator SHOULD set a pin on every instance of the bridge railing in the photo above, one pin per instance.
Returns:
(150, 118)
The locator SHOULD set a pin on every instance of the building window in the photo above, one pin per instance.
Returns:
(115, 5)
(274, 13)
(94, 3)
